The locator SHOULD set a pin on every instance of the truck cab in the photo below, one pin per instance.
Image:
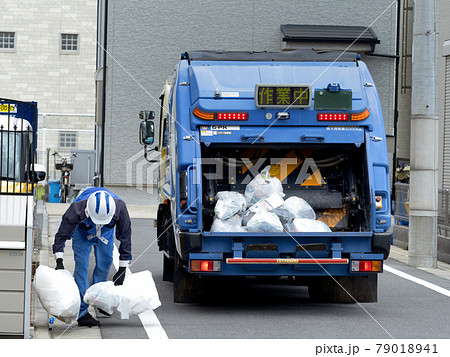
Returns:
(314, 120)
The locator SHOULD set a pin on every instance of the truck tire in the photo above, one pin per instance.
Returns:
(187, 287)
(359, 288)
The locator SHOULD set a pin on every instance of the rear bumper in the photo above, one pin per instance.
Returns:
(251, 254)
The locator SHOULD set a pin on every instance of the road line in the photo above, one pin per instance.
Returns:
(417, 280)
(149, 320)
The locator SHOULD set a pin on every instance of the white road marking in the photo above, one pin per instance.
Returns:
(417, 280)
(148, 318)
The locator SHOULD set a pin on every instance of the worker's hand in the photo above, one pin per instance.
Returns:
(119, 277)
(59, 264)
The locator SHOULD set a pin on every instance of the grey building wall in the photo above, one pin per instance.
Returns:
(406, 28)
(37, 70)
(146, 38)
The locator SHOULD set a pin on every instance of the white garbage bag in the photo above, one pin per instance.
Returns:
(232, 224)
(267, 203)
(286, 217)
(58, 293)
(308, 225)
(264, 221)
(137, 295)
(299, 208)
(229, 203)
(261, 186)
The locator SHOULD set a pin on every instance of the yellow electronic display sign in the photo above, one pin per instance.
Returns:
(282, 96)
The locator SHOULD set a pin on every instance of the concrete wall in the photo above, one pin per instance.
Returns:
(146, 38)
(37, 70)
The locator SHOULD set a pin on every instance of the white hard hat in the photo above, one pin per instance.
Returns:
(100, 207)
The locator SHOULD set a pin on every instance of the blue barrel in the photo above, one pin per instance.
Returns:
(54, 188)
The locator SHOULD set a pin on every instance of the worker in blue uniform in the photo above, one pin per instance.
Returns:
(90, 221)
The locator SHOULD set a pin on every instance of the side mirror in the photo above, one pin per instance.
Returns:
(146, 133)
(39, 173)
(146, 115)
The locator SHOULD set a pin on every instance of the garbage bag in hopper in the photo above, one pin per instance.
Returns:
(137, 295)
(58, 293)
(261, 186)
(286, 216)
(299, 208)
(267, 203)
(264, 221)
(308, 225)
(229, 203)
(232, 224)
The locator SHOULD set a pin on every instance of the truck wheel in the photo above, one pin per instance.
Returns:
(359, 288)
(186, 286)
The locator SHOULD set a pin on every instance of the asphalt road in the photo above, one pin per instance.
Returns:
(256, 310)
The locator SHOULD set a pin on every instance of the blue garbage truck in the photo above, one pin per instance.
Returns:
(311, 119)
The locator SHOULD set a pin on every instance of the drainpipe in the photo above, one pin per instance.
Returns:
(102, 148)
(396, 86)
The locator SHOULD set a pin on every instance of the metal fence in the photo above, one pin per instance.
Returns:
(65, 134)
(401, 211)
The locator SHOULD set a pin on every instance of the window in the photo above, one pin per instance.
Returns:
(7, 41)
(69, 42)
(67, 139)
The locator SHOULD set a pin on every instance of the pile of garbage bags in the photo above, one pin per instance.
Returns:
(262, 208)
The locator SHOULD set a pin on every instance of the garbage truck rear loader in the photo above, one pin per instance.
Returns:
(311, 120)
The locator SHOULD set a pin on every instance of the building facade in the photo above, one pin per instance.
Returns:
(145, 40)
(47, 55)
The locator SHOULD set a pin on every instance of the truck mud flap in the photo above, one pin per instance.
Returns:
(190, 243)
(381, 243)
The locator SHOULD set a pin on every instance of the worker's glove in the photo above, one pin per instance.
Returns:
(59, 264)
(119, 277)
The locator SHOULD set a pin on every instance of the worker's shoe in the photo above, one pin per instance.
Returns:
(88, 320)
(103, 312)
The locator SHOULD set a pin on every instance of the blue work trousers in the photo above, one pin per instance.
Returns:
(103, 259)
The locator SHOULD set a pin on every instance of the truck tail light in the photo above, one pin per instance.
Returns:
(205, 265)
(366, 266)
(232, 116)
(360, 116)
(379, 202)
(332, 117)
(203, 115)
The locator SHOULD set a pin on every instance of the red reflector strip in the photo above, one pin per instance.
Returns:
(232, 116)
(285, 261)
(332, 117)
